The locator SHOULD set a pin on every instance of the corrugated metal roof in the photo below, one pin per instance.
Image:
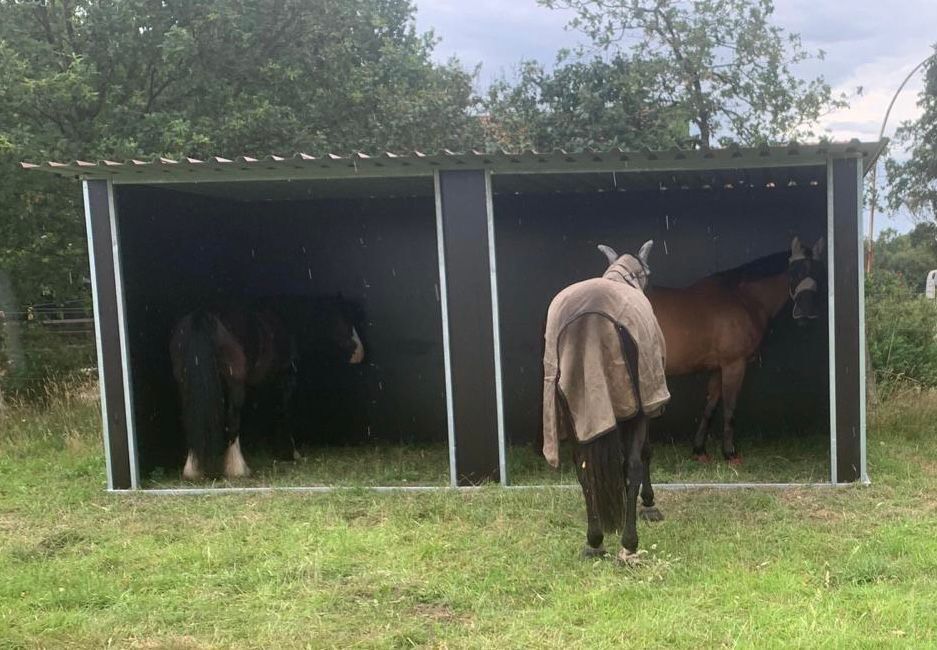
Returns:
(416, 163)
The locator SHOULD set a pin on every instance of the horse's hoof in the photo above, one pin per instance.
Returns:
(627, 558)
(589, 553)
(702, 458)
(651, 514)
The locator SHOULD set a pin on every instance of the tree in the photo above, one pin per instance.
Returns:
(135, 77)
(582, 103)
(913, 183)
(720, 61)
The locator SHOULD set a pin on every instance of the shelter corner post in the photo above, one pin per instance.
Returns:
(110, 337)
(847, 323)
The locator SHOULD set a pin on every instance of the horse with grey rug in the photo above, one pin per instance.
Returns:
(603, 379)
(220, 353)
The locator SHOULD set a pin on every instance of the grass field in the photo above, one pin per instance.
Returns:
(493, 568)
(767, 460)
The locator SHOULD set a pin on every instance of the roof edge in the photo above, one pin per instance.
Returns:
(416, 163)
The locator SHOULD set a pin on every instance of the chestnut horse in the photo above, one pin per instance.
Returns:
(218, 354)
(717, 325)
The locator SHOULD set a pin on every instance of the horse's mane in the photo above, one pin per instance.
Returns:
(759, 268)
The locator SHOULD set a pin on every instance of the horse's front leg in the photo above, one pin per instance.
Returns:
(732, 377)
(713, 394)
(634, 474)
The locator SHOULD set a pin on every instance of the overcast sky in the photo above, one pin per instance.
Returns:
(868, 43)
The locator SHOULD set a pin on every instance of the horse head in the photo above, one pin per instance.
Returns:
(803, 269)
(629, 267)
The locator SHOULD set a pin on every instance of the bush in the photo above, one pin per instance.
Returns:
(901, 330)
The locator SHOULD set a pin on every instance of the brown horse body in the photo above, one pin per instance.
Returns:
(717, 324)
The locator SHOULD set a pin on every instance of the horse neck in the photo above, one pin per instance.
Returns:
(767, 295)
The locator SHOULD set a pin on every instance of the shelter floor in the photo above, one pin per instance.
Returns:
(765, 460)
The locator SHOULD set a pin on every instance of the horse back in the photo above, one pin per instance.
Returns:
(262, 335)
(705, 326)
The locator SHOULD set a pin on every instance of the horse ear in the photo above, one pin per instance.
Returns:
(609, 253)
(645, 251)
(797, 249)
(818, 248)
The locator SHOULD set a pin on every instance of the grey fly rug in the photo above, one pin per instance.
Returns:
(587, 383)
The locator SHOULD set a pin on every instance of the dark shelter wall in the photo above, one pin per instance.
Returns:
(181, 250)
(546, 242)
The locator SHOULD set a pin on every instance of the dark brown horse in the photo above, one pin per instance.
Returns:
(218, 354)
(717, 325)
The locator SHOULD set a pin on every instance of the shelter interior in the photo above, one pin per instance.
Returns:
(547, 227)
(375, 242)
(184, 245)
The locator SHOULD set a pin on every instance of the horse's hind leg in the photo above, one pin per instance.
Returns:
(234, 464)
(634, 475)
(594, 533)
(732, 377)
(649, 511)
(713, 394)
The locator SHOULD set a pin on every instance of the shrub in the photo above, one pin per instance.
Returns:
(901, 330)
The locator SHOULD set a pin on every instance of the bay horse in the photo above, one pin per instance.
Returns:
(603, 379)
(219, 353)
(717, 324)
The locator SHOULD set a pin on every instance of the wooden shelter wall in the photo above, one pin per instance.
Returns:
(548, 241)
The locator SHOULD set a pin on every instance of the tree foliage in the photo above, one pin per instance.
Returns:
(722, 62)
(910, 256)
(913, 183)
(581, 103)
(136, 77)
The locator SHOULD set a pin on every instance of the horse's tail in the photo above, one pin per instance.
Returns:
(600, 463)
(202, 392)
(600, 467)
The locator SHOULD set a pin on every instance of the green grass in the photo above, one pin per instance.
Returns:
(767, 460)
(492, 568)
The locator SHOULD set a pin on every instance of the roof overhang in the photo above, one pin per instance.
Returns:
(388, 165)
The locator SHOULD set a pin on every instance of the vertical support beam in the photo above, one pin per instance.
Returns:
(463, 204)
(847, 326)
(102, 253)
